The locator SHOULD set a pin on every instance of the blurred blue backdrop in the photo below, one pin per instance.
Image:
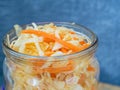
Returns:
(101, 16)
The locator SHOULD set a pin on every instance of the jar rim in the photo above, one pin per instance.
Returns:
(90, 48)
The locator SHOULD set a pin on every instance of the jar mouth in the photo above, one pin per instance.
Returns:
(92, 46)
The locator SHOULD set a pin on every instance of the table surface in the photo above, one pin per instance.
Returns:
(103, 86)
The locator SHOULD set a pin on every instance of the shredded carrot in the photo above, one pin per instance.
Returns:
(84, 46)
(72, 47)
(82, 42)
(72, 32)
(48, 53)
(64, 50)
(58, 70)
(75, 38)
(51, 36)
(91, 68)
(39, 33)
(37, 62)
(53, 75)
(48, 40)
(82, 79)
(68, 67)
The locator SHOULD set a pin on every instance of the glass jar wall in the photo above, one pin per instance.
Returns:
(77, 71)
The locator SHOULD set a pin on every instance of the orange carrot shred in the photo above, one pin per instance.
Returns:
(39, 63)
(75, 38)
(82, 42)
(91, 68)
(48, 40)
(68, 67)
(82, 79)
(64, 50)
(48, 53)
(72, 32)
(53, 75)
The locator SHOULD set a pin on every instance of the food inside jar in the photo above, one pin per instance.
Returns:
(50, 40)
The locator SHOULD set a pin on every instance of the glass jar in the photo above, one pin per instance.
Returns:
(24, 72)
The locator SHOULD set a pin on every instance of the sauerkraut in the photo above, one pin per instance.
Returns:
(50, 40)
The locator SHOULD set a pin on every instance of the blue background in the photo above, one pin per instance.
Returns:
(101, 16)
